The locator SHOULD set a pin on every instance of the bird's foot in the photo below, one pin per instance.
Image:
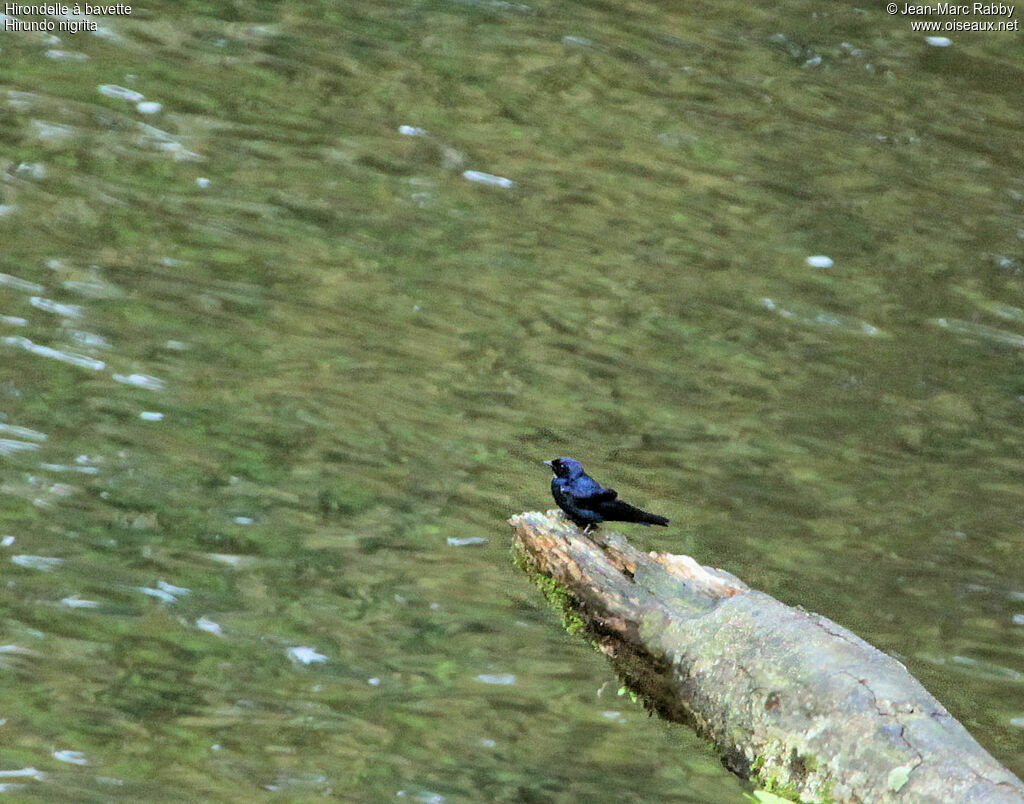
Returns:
(589, 529)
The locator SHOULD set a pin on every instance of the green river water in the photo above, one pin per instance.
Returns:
(275, 369)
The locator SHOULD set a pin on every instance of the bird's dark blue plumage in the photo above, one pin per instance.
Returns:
(586, 502)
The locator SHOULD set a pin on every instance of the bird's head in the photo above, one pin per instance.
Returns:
(565, 467)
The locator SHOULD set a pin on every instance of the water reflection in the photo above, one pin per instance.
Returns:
(316, 293)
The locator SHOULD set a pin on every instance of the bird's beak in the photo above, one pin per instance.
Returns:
(548, 463)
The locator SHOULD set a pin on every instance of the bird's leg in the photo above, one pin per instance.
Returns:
(589, 529)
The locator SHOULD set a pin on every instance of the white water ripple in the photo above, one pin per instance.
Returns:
(981, 331)
(804, 314)
(81, 361)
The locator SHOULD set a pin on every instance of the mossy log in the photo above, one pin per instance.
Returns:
(792, 701)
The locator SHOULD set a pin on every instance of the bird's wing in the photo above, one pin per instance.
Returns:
(589, 489)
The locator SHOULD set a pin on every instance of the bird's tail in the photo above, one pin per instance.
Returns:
(652, 519)
(625, 512)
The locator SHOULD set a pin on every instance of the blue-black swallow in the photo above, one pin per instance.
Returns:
(587, 503)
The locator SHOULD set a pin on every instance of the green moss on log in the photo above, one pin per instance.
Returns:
(555, 594)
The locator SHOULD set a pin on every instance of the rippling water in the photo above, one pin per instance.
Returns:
(294, 299)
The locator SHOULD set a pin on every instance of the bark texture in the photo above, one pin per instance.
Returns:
(790, 699)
